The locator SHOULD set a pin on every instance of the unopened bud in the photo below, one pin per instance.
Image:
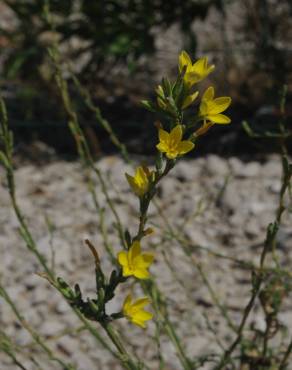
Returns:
(149, 231)
(203, 129)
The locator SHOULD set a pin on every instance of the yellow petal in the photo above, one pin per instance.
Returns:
(199, 66)
(172, 154)
(140, 318)
(143, 261)
(184, 60)
(122, 258)
(130, 179)
(138, 322)
(127, 303)
(189, 100)
(133, 185)
(141, 273)
(163, 136)
(134, 251)
(148, 258)
(191, 78)
(144, 315)
(127, 271)
(185, 147)
(203, 110)
(139, 262)
(162, 147)
(141, 302)
(208, 94)
(219, 118)
(176, 134)
(220, 104)
(141, 177)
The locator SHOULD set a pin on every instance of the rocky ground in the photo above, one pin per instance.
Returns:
(224, 205)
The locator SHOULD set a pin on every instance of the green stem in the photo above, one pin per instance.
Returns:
(187, 251)
(145, 203)
(266, 335)
(6, 139)
(24, 229)
(14, 359)
(284, 362)
(214, 296)
(162, 317)
(124, 356)
(237, 340)
(187, 365)
(81, 143)
(36, 337)
(104, 123)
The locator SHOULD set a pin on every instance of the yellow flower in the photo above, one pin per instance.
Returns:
(211, 108)
(140, 181)
(134, 311)
(171, 143)
(135, 263)
(194, 72)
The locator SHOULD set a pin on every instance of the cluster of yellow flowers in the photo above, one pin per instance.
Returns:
(209, 113)
(172, 100)
(134, 263)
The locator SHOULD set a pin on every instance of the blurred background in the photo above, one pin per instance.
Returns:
(121, 49)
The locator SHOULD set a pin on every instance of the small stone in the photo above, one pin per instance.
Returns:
(259, 323)
(272, 168)
(231, 199)
(31, 281)
(216, 166)
(242, 170)
(236, 166)
(168, 188)
(185, 171)
(286, 319)
(252, 169)
(62, 307)
(50, 328)
(197, 236)
(252, 228)
(275, 186)
(256, 208)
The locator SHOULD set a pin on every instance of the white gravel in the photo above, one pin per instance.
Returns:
(222, 204)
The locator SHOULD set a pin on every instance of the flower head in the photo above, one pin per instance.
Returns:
(140, 181)
(211, 108)
(135, 263)
(171, 143)
(194, 72)
(134, 311)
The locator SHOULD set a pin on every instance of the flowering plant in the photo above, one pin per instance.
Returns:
(177, 135)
